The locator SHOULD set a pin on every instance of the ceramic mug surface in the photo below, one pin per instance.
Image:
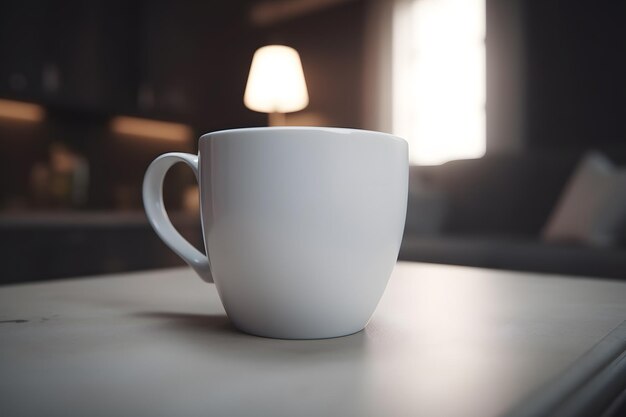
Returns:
(302, 225)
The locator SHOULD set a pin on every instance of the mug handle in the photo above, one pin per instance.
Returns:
(155, 210)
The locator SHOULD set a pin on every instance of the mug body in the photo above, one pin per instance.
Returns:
(302, 226)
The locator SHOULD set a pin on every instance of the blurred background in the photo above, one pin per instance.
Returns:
(501, 102)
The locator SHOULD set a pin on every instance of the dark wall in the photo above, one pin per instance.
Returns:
(331, 45)
(576, 72)
(556, 74)
(506, 75)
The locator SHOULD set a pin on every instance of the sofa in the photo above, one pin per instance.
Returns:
(492, 212)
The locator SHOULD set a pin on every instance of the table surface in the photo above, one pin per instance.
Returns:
(444, 341)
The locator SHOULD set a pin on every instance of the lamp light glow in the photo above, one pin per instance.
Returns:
(156, 129)
(21, 111)
(276, 82)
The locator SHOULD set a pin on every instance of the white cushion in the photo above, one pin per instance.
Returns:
(592, 207)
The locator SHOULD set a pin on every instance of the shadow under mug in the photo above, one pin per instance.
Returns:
(301, 225)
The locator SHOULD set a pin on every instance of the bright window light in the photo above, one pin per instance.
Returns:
(439, 79)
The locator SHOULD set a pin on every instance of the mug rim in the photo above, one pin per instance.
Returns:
(341, 130)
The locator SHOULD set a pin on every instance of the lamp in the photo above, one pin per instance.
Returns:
(276, 83)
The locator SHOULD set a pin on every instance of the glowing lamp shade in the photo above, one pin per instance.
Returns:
(276, 82)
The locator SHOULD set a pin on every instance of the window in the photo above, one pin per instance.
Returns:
(438, 78)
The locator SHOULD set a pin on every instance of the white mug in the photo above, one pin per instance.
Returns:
(302, 225)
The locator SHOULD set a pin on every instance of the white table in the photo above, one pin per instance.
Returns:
(444, 341)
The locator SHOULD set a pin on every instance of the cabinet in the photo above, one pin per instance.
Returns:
(22, 52)
(55, 245)
(72, 53)
(182, 61)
